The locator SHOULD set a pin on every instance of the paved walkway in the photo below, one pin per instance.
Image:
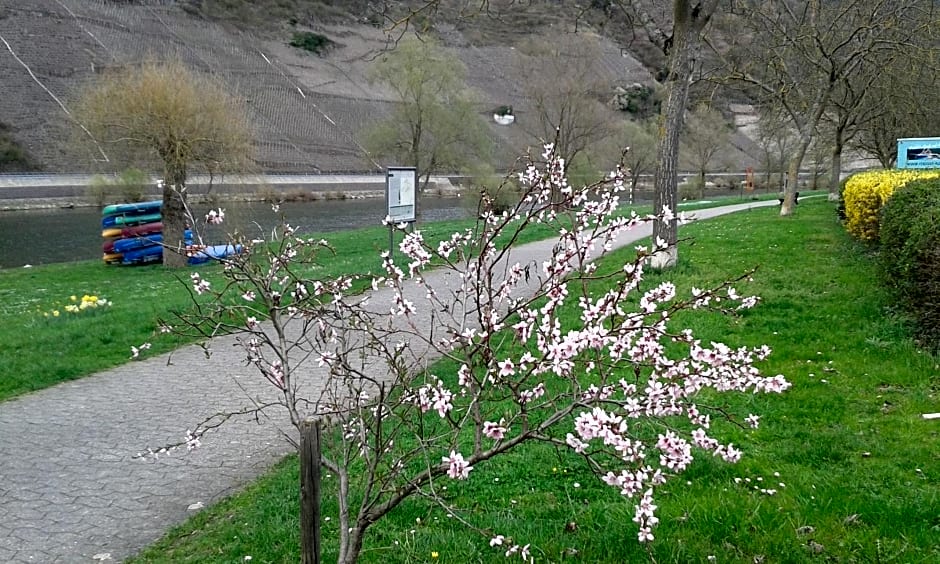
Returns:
(70, 487)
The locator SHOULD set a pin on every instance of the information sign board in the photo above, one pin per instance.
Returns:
(919, 152)
(400, 193)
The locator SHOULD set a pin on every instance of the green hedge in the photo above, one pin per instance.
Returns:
(910, 254)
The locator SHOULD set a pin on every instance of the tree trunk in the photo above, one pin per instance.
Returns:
(353, 548)
(174, 214)
(310, 492)
(665, 181)
(835, 172)
(793, 178)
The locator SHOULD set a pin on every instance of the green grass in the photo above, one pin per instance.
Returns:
(37, 352)
(859, 466)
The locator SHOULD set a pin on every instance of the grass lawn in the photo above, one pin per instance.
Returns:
(41, 348)
(38, 349)
(854, 469)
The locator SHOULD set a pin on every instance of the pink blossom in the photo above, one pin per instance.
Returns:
(495, 431)
(458, 468)
(215, 217)
(200, 285)
(135, 351)
(464, 378)
(435, 397)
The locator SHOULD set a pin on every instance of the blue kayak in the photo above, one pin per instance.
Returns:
(154, 253)
(143, 255)
(131, 243)
(214, 252)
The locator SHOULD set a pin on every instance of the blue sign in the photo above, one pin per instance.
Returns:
(920, 152)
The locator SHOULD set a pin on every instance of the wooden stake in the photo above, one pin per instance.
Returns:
(310, 492)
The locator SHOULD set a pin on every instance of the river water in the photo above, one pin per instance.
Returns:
(63, 235)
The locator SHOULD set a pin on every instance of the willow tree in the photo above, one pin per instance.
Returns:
(161, 112)
(435, 125)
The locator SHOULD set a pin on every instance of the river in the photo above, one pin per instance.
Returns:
(62, 235)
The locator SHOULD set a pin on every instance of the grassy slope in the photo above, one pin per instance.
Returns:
(857, 464)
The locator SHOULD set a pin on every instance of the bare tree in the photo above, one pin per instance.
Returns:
(678, 36)
(633, 145)
(164, 112)
(639, 138)
(776, 139)
(797, 55)
(435, 126)
(886, 90)
(707, 134)
(560, 76)
(895, 108)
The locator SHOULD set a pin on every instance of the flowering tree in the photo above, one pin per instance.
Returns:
(618, 385)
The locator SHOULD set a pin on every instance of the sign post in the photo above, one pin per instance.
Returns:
(400, 198)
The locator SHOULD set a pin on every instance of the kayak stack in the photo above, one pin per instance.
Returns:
(133, 234)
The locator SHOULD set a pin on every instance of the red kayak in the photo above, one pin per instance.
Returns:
(145, 229)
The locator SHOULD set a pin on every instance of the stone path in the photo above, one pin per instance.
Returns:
(70, 487)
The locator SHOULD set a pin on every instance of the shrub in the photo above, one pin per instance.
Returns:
(13, 158)
(133, 184)
(866, 193)
(493, 197)
(313, 42)
(637, 99)
(129, 186)
(691, 189)
(910, 254)
(100, 191)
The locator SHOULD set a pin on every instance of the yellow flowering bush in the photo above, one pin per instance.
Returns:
(76, 305)
(866, 193)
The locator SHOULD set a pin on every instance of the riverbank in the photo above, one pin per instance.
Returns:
(67, 202)
(31, 192)
(44, 236)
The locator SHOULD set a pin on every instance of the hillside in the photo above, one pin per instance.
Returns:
(307, 111)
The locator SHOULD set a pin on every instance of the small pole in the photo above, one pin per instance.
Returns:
(310, 491)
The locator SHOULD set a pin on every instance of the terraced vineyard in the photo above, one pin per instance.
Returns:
(307, 112)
